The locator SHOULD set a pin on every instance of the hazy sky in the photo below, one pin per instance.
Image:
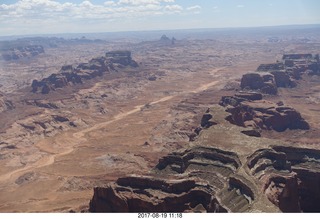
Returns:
(81, 16)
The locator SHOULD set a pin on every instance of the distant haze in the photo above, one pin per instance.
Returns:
(22, 17)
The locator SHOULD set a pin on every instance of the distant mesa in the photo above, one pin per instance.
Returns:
(121, 57)
(19, 52)
(166, 40)
(264, 82)
(269, 77)
(262, 114)
(296, 56)
(70, 75)
(271, 67)
(30, 47)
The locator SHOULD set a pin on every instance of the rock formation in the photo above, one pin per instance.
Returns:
(296, 56)
(19, 52)
(290, 177)
(5, 104)
(96, 67)
(187, 181)
(42, 104)
(283, 79)
(263, 114)
(285, 73)
(164, 40)
(121, 57)
(291, 68)
(150, 194)
(270, 67)
(263, 82)
(209, 179)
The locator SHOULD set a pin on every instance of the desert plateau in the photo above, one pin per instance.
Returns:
(206, 120)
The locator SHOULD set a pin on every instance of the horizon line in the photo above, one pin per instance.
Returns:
(156, 30)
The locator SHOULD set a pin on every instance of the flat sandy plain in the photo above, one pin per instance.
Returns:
(126, 122)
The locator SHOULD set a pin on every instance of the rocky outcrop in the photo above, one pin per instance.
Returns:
(198, 157)
(194, 180)
(271, 67)
(150, 194)
(70, 75)
(283, 79)
(250, 110)
(296, 56)
(298, 64)
(266, 115)
(290, 177)
(238, 98)
(48, 125)
(206, 121)
(267, 82)
(20, 52)
(207, 179)
(5, 104)
(42, 103)
(164, 40)
(263, 82)
(121, 57)
(285, 72)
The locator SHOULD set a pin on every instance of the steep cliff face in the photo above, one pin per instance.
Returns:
(290, 177)
(270, 67)
(285, 73)
(251, 111)
(263, 82)
(150, 194)
(121, 57)
(201, 179)
(208, 179)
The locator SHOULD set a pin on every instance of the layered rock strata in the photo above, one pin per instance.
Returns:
(283, 73)
(250, 110)
(208, 179)
(289, 177)
(200, 179)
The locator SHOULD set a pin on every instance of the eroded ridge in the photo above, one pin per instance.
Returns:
(250, 110)
(285, 73)
(199, 160)
(289, 176)
(151, 194)
(70, 75)
(201, 179)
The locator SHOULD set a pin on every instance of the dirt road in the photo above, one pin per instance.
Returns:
(79, 136)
